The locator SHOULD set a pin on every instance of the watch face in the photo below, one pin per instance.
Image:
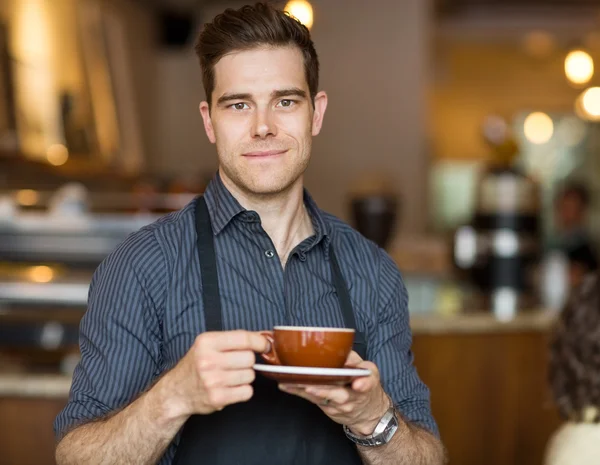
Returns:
(389, 422)
(390, 430)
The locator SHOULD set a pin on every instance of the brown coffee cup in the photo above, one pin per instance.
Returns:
(309, 346)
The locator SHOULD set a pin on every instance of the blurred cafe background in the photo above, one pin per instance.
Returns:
(461, 135)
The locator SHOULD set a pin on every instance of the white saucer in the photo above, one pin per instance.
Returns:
(311, 375)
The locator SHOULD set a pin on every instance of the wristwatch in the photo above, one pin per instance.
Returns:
(382, 434)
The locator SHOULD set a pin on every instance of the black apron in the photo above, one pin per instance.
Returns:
(272, 428)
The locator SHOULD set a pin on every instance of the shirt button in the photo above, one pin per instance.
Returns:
(269, 253)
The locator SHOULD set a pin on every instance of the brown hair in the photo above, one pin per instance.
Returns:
(574, 370)
(251, 27)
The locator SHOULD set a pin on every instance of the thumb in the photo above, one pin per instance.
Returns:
(353, 359)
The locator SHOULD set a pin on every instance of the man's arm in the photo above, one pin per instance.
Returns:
(140, 434)
(216, 372)
(120, 350)
(362, 406)
(107, 420)
(411, 445)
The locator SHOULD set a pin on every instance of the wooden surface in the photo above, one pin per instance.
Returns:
(489, 395)
(488, 390)
(26, 425)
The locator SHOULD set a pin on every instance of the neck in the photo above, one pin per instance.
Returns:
(283, 216)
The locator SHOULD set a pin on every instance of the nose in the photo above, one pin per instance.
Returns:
(263, 124)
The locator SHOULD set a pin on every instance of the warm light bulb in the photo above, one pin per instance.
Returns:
(579, 67)
(41, 274)
(27, 197)
(301, 10)
(538, 128)
(57, 154)
(590, 102)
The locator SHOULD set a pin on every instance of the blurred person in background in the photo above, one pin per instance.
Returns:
(574, 375)
(571, 208)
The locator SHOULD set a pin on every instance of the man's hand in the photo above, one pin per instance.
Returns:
(359, 407)
(216, 372)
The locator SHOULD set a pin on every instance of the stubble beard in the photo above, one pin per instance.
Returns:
(275, 188)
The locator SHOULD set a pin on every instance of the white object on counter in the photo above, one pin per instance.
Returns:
(8, 208)
(554, 281)
(72, 199)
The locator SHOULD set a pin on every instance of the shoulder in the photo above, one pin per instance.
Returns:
(359, 253)
(151, 249)
(574, 443)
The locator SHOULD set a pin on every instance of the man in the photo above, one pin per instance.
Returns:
(169, 340)
(571, 209)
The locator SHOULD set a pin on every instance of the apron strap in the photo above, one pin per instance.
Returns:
(341, 289)
(208, 267)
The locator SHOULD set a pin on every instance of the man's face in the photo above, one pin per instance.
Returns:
(570, 212)
(262, 120)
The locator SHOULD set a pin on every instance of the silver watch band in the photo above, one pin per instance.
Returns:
(383, 433)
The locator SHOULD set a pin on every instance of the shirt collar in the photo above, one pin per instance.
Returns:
(223, 207)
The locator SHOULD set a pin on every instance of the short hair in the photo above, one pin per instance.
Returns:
(574, 368)
(250, 27)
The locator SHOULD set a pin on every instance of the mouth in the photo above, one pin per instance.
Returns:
(264, 153)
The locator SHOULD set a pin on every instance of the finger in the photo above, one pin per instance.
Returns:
(239, 377)
(237, 359)
(366, 383)
(353, 359)
(302, 393)
(239, 340)
(234, 395)
(336, 395)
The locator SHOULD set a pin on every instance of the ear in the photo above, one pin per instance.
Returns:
(208, 126)
(320, 107)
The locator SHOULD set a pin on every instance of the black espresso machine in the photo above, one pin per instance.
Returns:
(499, 251)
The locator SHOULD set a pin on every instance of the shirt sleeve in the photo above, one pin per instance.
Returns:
(391, 351)
(119, 335)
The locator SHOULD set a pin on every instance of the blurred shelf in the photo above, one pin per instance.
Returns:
(33, 237)
(113, 201)
(52, 294)
(44, 224)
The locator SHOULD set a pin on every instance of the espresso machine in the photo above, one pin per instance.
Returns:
(499, 250)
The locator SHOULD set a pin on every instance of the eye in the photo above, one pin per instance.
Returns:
(286, 103)
(239, 106)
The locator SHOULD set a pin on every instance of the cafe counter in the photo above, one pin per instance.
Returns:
(487, 379)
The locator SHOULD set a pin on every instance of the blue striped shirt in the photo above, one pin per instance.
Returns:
(145, 304)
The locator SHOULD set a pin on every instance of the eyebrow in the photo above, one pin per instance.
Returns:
(292, 91)
(228, 97)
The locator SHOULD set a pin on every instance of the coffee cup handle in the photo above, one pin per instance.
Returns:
(270, 356)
